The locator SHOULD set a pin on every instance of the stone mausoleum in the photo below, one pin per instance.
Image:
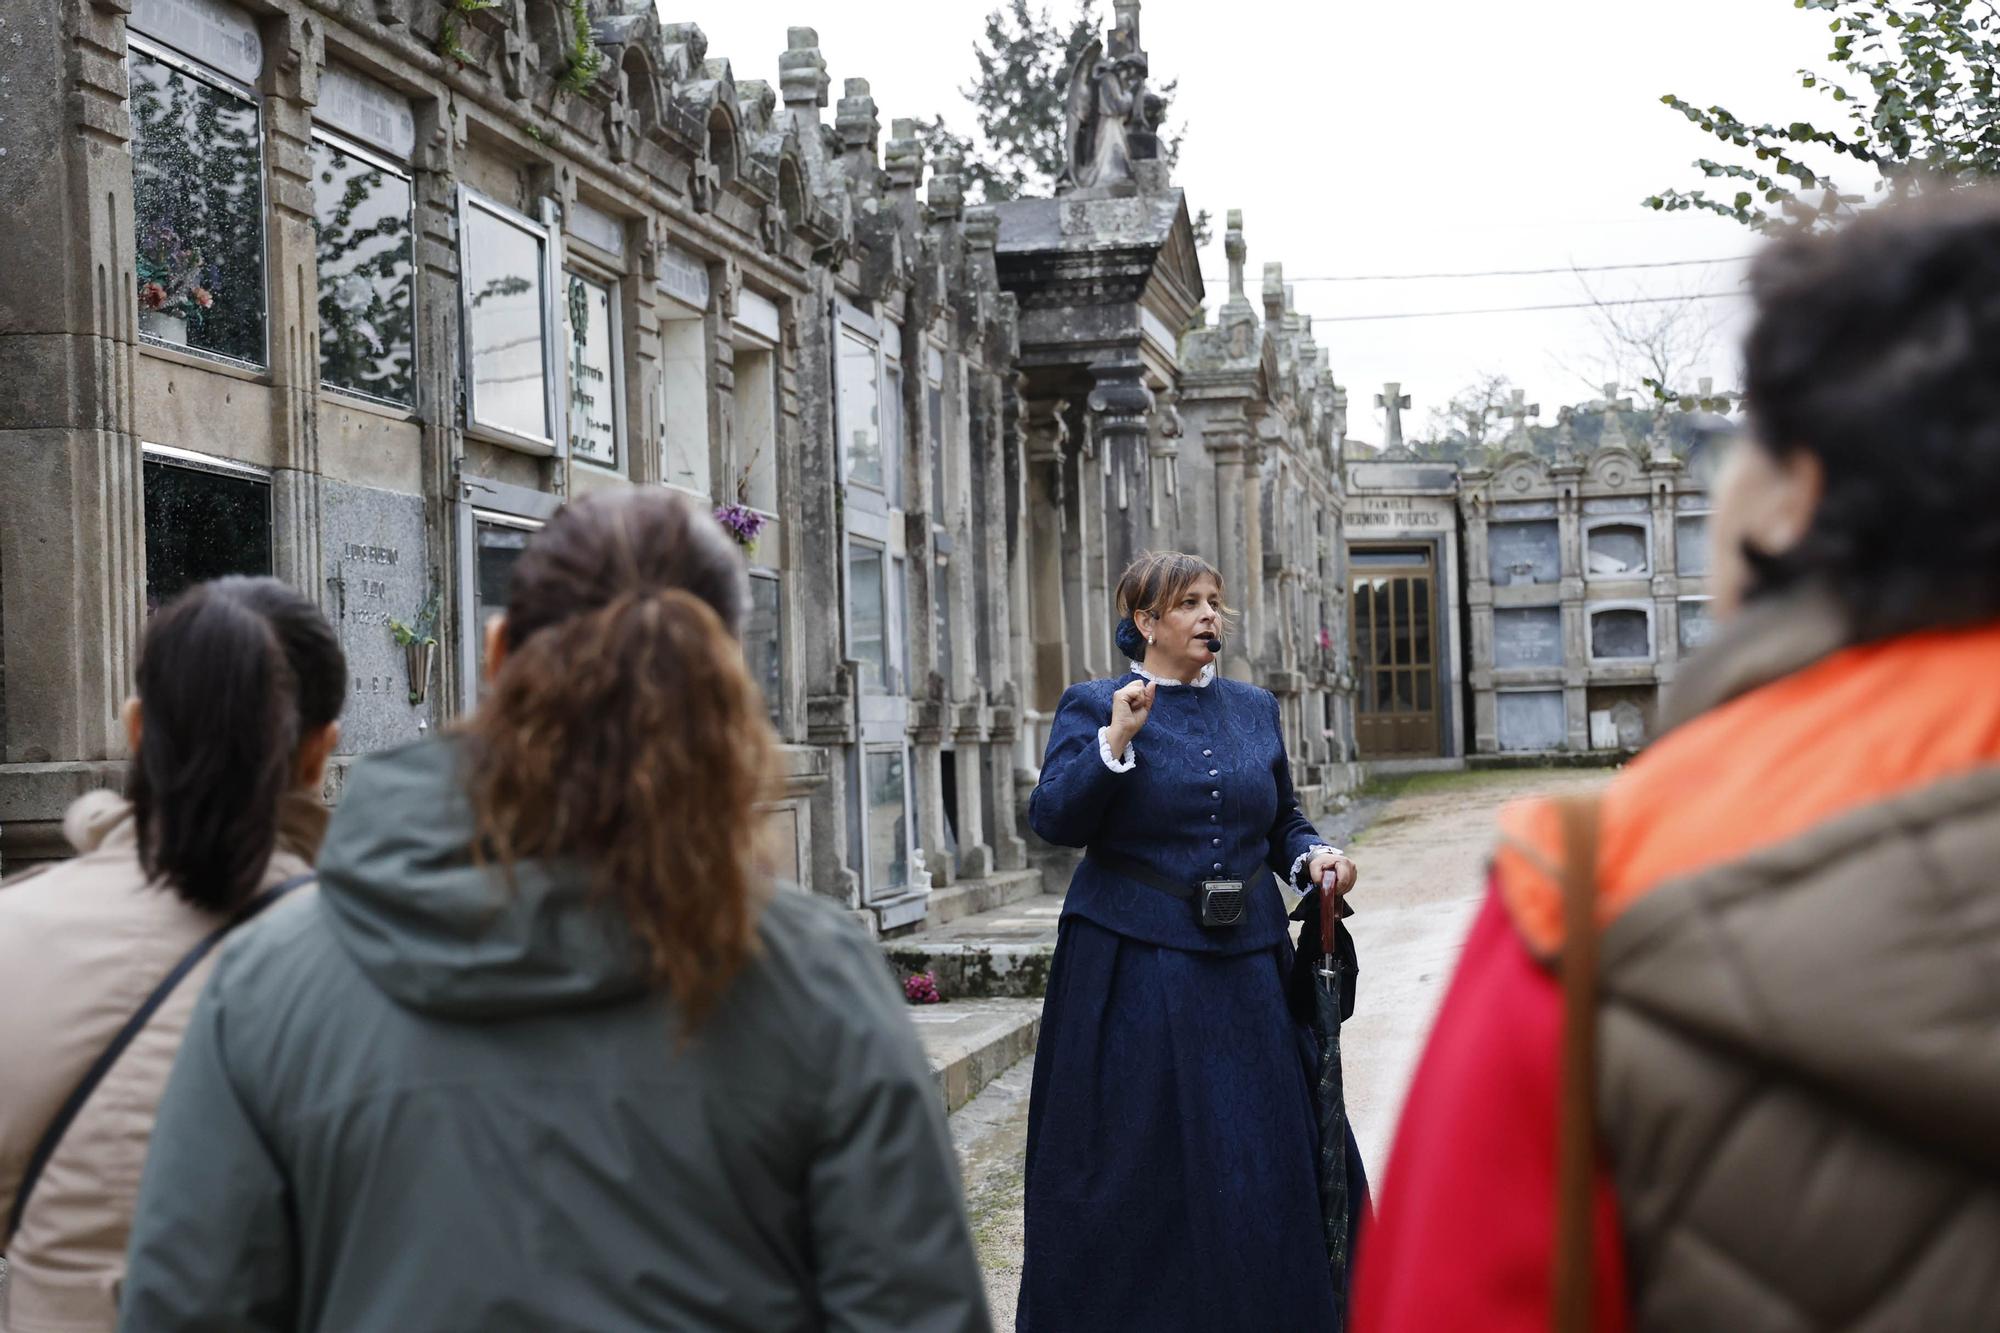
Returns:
(358, 292)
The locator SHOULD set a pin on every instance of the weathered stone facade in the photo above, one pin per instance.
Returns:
(358, 291)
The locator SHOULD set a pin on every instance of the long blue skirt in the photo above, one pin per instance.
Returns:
(1171, 1146)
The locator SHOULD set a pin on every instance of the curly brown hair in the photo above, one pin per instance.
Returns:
(624, 731)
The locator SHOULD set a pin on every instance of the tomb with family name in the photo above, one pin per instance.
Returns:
(377, 579)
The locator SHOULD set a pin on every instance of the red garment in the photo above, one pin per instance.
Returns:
(1464, 1237)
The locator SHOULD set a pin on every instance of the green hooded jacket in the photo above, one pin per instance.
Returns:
(421, 1100)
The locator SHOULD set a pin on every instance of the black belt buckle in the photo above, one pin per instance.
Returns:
(1221, 903)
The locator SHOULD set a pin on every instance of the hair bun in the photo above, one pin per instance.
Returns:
(1129, 641)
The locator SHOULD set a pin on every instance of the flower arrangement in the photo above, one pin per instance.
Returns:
(174, 279)
(422, 632)
(1325, 640)
(743, 523)
(921, 988)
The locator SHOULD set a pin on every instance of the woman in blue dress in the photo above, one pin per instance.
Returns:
(1172, 1136)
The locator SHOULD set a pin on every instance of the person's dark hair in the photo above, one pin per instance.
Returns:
(624, 730)
(1874, 349)
(231, 675)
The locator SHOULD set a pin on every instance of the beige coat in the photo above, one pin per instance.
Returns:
(82, 944)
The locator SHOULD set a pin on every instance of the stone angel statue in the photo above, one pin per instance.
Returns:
(1098, 115)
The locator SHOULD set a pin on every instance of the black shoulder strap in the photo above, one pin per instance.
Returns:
(53, 1135)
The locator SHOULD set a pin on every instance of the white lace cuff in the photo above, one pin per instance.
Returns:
(1306, 857)
(1124, 763)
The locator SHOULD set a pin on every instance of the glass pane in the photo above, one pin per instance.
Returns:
(1619, 548)
(860, 409)
(497, 551)
(756, 434)
(763, 646)
(1691, 543)
(367, 276)
(1697, 626)
(1413, 555)
(1620, 633)
(1405, 692)
(1420, 622)
(1402, 606)
(684, 380)
(888, 823)
(892, 434)
(1519, 553)
(1385, 691)
(1364, 645)
(1423, 691)
(1385, 623)
(202, 525)
(867, 640)
(502, 271)
(941, 600)
(593, 374)
(198, 202)
(934, 409)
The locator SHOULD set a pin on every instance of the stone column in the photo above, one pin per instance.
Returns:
(294, 51)
(436, 335)
(1227, 438)
(1046, 556)
(72, 541)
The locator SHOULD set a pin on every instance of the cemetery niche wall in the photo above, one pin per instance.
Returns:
(359, 295)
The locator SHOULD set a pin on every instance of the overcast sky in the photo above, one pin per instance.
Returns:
(1405, 136)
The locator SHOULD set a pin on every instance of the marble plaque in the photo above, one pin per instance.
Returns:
(1617, 504)
(1371, 476)
(376, 571)
(1528, 636)
(1530, 720)
(684, 277)
(359, 106)
(1506, 510)
(214, 32)
(595, 226)
(1691, 544)
(1521, 553)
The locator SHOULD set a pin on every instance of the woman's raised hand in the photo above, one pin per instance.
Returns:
(1130, 708)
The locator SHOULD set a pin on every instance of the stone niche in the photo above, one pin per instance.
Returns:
(1529, 720)
(376, 572)
(1622, 716)
(1524, 553)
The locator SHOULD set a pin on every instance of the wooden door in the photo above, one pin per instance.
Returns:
(1395, 652)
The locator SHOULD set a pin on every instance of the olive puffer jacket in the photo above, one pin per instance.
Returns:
(425, 1098)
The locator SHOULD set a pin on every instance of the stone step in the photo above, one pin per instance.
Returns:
(1001, 889)
(1003, 953)
(972, 1042)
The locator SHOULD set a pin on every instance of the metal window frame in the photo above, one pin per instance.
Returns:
(482, 501)
(555, 444)
(154, 49)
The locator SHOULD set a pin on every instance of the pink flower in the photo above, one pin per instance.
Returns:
(153, 296)
(921, 988)
(202, 297)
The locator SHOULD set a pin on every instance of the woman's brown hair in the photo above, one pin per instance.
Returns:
(624, 731)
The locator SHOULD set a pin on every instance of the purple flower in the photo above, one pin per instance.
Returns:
(921, 988)
(743, 522)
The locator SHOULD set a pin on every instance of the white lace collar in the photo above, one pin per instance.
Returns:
(1200, 682)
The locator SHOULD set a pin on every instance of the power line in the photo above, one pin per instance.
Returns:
(1525, 309)
(1508, 272)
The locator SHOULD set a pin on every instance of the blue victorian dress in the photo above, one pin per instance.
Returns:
(1172, 1136)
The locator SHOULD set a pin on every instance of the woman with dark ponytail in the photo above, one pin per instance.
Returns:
(101, 957)
(553, 1051)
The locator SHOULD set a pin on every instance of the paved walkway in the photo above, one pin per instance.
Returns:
(1422, 850)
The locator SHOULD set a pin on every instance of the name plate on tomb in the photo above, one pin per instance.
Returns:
(1529, 636)
(365, 110)
(376, 571)
(1617, 504)
(1396, 513)
(596, 227)
(1400, 477)
(1530, 720)
(684, 277)
(1519, 553)
(219, 35)
(1519, 509)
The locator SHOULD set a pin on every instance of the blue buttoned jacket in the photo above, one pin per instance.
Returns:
(1210, 797)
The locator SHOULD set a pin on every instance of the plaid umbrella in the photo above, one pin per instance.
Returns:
(1322, 997)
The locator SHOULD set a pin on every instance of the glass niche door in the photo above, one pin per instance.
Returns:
(1395, 652)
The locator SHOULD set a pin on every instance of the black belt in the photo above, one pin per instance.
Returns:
(1218, 902)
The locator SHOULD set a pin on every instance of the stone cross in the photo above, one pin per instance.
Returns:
(1395, 402)
(1232, 245)
(619, 120)
(1613, 432)
(1518, 410)
(704, 183)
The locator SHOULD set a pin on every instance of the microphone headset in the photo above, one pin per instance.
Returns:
(1214, 644)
